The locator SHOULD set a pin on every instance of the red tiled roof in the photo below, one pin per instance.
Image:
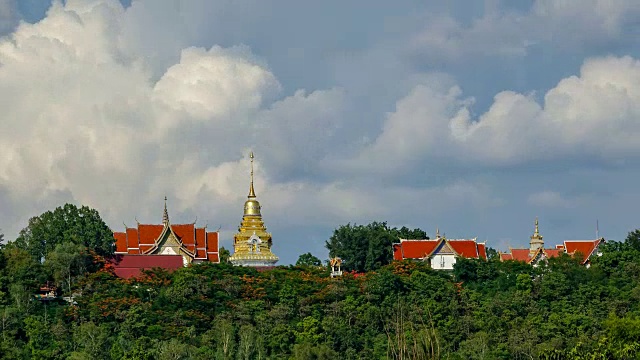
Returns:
(149, 233)
(397, 251)
(142, 240)
(126, 266)
(520, 255)
(201, 243)
(417, 249)
(121, 242)
(464, 248)
(186, 233)
(132, 238)
(482, 251)
(584, 247)
(550, 253)
(212, 242)
(506, 256)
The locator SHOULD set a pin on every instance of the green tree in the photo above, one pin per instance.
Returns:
(66, 261)
(67, 223)
(225, 338)
(224, 255)
(308, 260)
(367, 247)
(92, 341)
(406, 233)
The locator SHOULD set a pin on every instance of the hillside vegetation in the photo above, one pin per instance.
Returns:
(403, 310)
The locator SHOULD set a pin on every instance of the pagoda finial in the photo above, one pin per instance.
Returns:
(252, 192)
(165, 215)
(536, 232)
(437, 233)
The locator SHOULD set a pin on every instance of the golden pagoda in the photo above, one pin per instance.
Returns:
(252, 243)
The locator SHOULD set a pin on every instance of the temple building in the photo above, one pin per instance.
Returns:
(252, 243)
(536, 253)
(163, 245)
(441, 253)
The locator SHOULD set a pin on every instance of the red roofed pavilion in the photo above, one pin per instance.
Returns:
(136, 246)
(440, 252)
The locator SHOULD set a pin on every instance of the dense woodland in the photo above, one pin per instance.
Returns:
(380, 310)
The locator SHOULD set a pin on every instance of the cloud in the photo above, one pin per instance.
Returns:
(549, 199)
(117, 107)
(503, 31)
(86, 121)
(8, 16)
(593, 114)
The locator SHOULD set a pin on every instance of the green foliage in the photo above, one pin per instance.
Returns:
(66, 224)
(402, 310)
(224, 255)
(367, 247)
(308, 260)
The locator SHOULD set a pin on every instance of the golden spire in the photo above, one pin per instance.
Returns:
(165, 215)
(252, 193)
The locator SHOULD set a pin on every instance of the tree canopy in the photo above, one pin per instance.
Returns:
(308, 259)
(367, 247)
(66, 224)
(400, 310)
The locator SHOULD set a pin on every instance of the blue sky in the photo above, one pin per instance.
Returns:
(474, 118)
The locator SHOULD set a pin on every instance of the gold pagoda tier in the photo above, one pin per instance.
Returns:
(252, 243)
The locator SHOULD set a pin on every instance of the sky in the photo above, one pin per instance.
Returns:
(473, 117)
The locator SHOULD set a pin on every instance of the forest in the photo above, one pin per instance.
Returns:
(378, 309)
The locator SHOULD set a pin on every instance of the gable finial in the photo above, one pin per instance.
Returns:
(252, 192)
(165, 215)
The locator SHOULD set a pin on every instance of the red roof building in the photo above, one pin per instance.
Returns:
(537, 253)
(127, 266)
(149, 245)
(440, 252)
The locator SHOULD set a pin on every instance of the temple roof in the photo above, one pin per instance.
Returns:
(420, 249)
(572, 247)
(126, 266)
(584, 247)
(414, 249)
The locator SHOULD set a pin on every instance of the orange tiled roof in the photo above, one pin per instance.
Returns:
(550, 253)
(571, 247)
(584, 247)
(397, 252)
(186, 233)
(414, 249)
(482, 251)
(521, 255)
(420, 249)
(212, 246)
(464, 248)
(506, 256)
(197, 242)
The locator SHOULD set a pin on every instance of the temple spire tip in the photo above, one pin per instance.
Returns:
(165, 214)
(252, 192)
